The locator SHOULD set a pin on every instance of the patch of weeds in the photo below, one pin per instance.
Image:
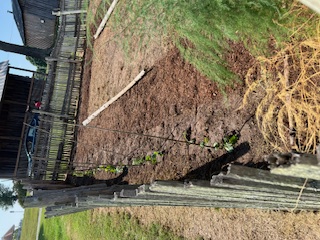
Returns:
(204, 142)
(229, 141)
(91, 172)
(111, 168)
(138, 161)
(152, 158)
(84, 173)
(288, 113)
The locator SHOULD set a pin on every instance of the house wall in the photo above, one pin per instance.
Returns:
(13, 110)
(39, 23)
(45, 32)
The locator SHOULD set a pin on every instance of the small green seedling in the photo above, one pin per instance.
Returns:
(84, 173)
(149, 158)
(230, 141)
(138, 161)
(228, 147)
(187, 138)
(204, 142)
(216, 145)
(112, 169)
(91, 172)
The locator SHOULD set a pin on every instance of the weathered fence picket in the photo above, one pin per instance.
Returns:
(301, 165)
(240, 187)
(56, 132)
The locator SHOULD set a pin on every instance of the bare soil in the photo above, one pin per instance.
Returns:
(174, 101)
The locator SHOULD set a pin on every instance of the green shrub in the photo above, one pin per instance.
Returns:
(39, 63)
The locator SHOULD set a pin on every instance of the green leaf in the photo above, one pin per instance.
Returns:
(216, 145)
(138, 161)
(119, 169)
(228, 147)
(154, 160)
(233, 139)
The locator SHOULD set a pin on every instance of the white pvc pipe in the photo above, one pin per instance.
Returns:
(107, 104)
(105, 19)
(313, 4)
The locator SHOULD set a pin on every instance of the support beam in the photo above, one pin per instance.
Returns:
(51, 59)
(60, 13)
(27, 70)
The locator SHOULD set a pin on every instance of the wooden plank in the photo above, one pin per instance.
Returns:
(299, 170)
(27, 70)
(232, 190)
(301, 165)
(264, 176)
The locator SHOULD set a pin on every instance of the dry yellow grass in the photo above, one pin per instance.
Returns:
(210, 223)
(289, 84)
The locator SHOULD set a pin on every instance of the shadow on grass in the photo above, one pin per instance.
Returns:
(41, 234)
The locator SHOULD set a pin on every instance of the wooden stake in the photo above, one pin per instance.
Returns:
(288, 102)
(107, 104)
(105, 19)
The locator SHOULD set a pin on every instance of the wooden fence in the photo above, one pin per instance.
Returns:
(240, 187)
(56, 133)
(36, 87)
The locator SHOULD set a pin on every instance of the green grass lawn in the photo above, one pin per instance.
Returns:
(85, 225)
(29, 224)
